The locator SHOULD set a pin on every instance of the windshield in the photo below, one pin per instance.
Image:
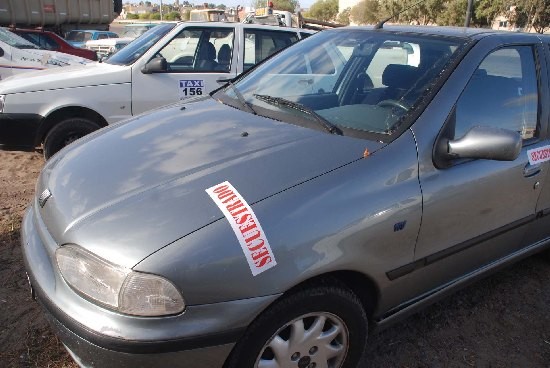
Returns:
(15, 40)
(136, 30)
(355, 81)
(135, 49)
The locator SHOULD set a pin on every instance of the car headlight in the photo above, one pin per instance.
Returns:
(116, 287)
(2, 99)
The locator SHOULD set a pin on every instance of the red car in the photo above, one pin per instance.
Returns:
(50, 41)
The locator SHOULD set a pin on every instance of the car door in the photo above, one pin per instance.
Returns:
(196, 58)
(477, 211)
(539, 230)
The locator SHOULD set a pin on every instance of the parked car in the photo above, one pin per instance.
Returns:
(107, 47)
(78, 37)
(278, 221)
(18, 56)
(168, 63)
(47, 40)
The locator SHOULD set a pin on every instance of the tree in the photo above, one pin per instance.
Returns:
(286, 5)
(148, 3)
(343, 17)
(132, 16)
(531, 14)
(145, 16)
(325, 10)
(366, 12)
(174, 15)
(423, 13)
(221, 6)
(485, 11)
(454, 13)
(542, 21)
(155, 16)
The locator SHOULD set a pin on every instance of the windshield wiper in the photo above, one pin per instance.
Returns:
(241, 99)
(327, 125)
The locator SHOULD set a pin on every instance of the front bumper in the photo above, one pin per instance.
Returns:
(201, 337)
(19, 131)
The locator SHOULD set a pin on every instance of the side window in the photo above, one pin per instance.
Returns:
(502, 93)
(259, 44)
(47, 43)
(102, 36)
(200, 50)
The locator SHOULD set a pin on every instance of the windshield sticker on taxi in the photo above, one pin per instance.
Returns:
(538, 155)
(245, 225)
(190, 88)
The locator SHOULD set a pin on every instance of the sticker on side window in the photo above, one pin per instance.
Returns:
(245, 225)
(538, 155)
(191, 87)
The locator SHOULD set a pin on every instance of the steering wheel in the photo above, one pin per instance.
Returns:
(393, 103)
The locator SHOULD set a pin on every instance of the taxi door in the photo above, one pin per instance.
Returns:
(196, 59)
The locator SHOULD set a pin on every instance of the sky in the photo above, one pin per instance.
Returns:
(303, 3)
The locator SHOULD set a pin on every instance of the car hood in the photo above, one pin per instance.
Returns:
(83, 75)
(135, 187)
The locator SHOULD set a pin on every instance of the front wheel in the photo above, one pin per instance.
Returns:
(318, 327)
(66, 132)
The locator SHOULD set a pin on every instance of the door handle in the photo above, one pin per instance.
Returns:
(531, 170)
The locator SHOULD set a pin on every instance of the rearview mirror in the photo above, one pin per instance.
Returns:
(156, 65)
(484, 142)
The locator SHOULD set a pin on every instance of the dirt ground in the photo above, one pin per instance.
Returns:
(502, 321)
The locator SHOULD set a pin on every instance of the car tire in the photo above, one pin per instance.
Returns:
(65, 133)
(330, 318)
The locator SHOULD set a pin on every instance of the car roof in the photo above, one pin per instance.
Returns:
(465, 32)
(27, 30)
(244, 25)
(90, 30)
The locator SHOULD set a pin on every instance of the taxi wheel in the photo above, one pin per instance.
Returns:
(320, 326)
(65, 133)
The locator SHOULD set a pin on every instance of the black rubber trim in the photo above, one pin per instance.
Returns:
(19, 130)
(67, 325)
(410, 267)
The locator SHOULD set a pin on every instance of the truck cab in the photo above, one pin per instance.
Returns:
(170, 62)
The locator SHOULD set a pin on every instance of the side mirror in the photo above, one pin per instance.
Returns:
(156, 65)
(1, 52)
(483, 142)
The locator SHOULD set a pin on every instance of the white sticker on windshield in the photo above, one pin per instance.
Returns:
(538, 155)
(245, 225)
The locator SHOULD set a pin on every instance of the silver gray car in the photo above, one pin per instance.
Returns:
(337, 187)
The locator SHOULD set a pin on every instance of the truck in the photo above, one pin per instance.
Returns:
(170, 62)
(59, 16)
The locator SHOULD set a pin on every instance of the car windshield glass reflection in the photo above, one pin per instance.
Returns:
(355, 80)
(129, 54)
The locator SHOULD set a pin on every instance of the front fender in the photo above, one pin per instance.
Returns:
(343, 220)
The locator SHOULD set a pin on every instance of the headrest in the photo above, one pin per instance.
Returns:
(399, 76)
(208, 51)
(224, 53)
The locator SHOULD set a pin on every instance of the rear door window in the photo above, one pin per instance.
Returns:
(260, 44)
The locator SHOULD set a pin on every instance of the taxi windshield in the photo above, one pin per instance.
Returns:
(135, 49)
(348, 80)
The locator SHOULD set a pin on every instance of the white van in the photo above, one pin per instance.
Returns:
(170, 62)
(18, 55)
